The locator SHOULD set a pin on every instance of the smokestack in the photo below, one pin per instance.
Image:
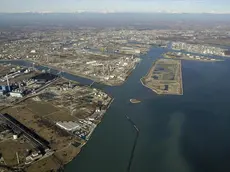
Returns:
(19, 86)
(33, 66)
(8, 83)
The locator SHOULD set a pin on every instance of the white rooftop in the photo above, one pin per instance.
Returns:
(69, 126)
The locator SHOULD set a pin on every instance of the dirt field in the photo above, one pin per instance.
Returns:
(4, 69)
(59, 140)
(165, 77)
(41, 108)
(9, 148)
(57, 137)
(61, 115)
(67, 153)
(42, 166)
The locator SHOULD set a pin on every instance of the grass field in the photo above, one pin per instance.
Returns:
(42, 166)
(67, 153)
(62, 115)
(41, 108)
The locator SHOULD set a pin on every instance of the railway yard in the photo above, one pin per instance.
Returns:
(165, 77)
(45, 119)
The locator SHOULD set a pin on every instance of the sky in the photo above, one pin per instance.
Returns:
(142, 6)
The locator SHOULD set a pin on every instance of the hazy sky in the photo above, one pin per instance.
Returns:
(218, 6)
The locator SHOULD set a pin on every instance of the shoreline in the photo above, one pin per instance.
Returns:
(155, 91)
(63, 162)
(111, 101)
(181, 80)
(83, 144)
(77, 74)
(202, 54)
(191, 59)
(83, 76)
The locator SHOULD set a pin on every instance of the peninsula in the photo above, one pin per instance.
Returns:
(164, 77)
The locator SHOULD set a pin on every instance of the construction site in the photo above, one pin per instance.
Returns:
(165, 77)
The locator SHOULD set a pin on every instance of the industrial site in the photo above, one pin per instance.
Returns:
(165, 77)
(104, 56)
(188, 56)
(200, 48)
(107, 55)
(45, 118)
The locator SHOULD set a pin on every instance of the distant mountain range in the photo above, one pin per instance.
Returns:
(133, 16)
(111, 19)
(113, 12)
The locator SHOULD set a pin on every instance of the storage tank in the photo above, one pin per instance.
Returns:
(15, 136)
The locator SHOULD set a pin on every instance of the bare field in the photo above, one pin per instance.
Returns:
(60, 141)
(10, 155)
(41, 108)
(62, 115)
(49, 111)
(67, 153)
(57, 137)
(44, 164)
(4, 69)
(165, 77)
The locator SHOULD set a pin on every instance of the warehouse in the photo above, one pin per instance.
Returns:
(68, 126)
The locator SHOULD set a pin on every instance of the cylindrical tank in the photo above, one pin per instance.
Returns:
(15, 137)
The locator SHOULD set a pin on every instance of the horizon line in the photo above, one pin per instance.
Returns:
(110, 12)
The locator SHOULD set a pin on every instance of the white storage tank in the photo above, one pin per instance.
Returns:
(15, 136)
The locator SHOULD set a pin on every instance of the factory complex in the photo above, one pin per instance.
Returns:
(45, 118)
(17, 83)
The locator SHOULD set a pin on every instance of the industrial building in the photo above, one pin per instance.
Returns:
(18, 128)
(18, 94)
(5, 88)
(130, 50)
(69, 126)
(43, 78)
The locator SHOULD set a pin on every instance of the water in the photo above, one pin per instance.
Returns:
(54, 71)
(188, 133)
